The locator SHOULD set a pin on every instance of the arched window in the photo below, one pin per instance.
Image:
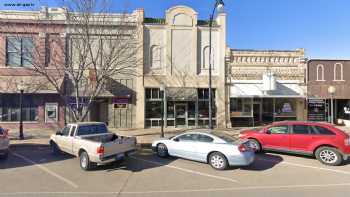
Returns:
(205, 64)
(156, 57)
(320, 72)
(338, 72)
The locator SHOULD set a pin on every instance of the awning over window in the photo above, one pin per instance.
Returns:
(256, 90)
(181, 94)
(31, 84)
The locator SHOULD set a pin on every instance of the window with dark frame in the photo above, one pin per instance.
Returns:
(10, 112)
(19, 51)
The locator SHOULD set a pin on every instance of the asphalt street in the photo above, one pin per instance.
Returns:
(33, 171)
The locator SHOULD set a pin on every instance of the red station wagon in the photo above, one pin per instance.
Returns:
(327, 143)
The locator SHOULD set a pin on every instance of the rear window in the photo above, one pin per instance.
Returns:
(92, 129)
(225, 137)
(322, 131)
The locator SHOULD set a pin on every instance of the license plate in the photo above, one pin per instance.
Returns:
(120, 156)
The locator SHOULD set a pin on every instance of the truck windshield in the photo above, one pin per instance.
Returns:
(92, 129)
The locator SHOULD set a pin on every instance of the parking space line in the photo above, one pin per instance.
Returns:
(43, 168)
(306, 166)
(185, 170)
(186, 190)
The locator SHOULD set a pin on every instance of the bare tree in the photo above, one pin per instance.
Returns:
(94, 46)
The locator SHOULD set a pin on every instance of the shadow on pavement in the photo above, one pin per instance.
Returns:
(22, 155)
(145, 159)
(263, 162)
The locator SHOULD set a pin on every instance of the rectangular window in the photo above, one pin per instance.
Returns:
(121, 106)
(154, 93)
(10, 109)
(51, 112)
(301, 129)
(19, 51)
(203, 93)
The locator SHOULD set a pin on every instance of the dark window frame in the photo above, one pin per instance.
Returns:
(22, 53)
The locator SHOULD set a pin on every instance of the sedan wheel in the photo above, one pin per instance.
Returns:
(218, 161)
(162, 150)
(329, 156)
(255, 145)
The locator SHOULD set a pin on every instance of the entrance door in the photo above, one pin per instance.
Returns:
(180, 115)
(257, 112)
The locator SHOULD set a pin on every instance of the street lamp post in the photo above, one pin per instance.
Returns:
(162, 89)
(21, 89)
(331, 91)
(219, 4)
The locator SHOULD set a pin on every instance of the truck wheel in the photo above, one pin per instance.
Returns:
(329, 156)
(162, 150)
(218, 161)
(85, 162)
(54, 148)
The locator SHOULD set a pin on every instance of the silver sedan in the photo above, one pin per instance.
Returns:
(216, 148)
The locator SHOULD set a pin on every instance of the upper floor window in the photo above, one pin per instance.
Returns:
(156, 57)
(338, 72)
(19, 51)
(320, 72)
(205, 57)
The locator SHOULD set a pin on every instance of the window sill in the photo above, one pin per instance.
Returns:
(17, 122)
(339, 80)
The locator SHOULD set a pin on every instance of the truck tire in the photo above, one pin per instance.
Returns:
(329, 156)
(85, 162)
(54, 148)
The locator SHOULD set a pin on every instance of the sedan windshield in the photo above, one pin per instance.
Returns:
(227, 138)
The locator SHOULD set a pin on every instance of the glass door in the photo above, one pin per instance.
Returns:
(180, 115)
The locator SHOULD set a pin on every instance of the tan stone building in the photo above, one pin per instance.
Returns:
(266, 86)
(176, 54)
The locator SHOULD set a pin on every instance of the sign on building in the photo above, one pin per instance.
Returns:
(317, 110)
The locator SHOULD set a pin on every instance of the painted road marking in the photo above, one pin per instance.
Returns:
(185, 170)
(184, 191)
(43, 168)
(305, 166)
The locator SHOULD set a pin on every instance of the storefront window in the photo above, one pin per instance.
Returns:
(191, 110)
(10, 111)
(285, 107)
(241, 107)
(170, 109)
(153, 109)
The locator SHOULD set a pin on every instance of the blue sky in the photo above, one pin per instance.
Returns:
(322, 27)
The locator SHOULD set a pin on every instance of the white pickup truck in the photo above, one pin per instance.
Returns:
(4, 143)
(92, 143)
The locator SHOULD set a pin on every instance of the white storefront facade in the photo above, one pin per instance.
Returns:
(266, 86)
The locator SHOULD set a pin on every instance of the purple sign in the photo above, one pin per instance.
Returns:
(120, 100)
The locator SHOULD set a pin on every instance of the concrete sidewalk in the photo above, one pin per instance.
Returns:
(144, 136)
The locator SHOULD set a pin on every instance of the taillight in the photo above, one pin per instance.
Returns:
(347, 141)
(243, 148)
(100, 150)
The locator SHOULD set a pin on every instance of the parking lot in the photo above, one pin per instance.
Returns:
(33, 171)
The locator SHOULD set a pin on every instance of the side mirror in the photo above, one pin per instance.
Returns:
(176, 139)
(267, 132)
(58, 132)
